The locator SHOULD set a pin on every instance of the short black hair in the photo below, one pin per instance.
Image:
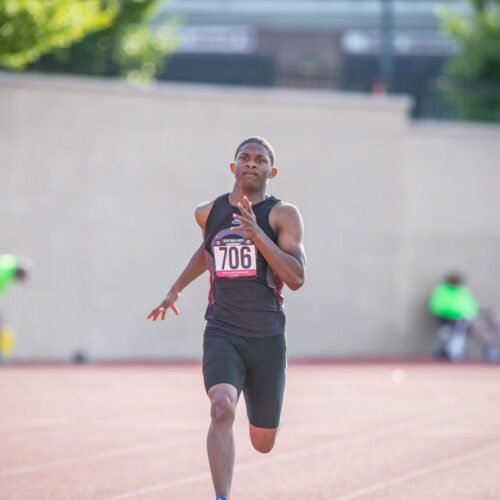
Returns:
(257, 140)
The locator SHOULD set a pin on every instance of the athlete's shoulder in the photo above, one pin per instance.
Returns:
(284, 213)
(201, 212)
(204, 205)
(284, 205)
(285, 209)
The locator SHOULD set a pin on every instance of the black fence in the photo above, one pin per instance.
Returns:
(461, 100)
(434, 96)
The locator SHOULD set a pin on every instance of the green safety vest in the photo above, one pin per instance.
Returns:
(8, 268)
(453, 302)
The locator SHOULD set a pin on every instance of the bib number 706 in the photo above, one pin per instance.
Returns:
(235, 260)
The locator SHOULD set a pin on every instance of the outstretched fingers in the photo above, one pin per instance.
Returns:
(161, 312)
(245, 207)
(248, 204)
(154, 314)
(246, 213)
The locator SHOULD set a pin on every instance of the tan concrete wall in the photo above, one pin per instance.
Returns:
(99, 181)
(452, 207)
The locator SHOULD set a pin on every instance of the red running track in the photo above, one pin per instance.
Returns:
(387, 431)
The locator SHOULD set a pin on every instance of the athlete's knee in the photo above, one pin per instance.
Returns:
(223, 408)
(263, 440)
(263, 446)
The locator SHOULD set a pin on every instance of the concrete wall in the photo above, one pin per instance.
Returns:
(451, 213)
(98, 182)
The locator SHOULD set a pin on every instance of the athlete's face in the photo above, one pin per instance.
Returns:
(252, 167)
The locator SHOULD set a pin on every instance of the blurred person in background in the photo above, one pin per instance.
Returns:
(11, 269)
(454, 306)
(486, 329)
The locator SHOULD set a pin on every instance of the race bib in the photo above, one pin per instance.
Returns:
(234, 256)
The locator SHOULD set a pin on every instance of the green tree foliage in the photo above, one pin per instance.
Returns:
(129, 47)
(473, 82)
(32, 28)
(123, 42)
(136, 50)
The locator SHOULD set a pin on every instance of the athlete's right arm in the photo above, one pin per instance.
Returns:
(195, 267)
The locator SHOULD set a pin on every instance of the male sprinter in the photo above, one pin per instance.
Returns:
(252, 244)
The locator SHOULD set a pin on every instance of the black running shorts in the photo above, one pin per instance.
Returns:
(256, 365)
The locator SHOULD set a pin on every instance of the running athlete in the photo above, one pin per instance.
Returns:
(252, 245)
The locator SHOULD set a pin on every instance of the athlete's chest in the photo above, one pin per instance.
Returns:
(235, 254)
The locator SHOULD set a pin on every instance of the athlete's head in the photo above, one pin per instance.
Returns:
(253, 163)
(255, 139)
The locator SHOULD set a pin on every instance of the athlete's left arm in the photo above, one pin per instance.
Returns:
(287, 258)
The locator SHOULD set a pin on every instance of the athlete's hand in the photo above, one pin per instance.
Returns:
(167, 303)
(247, 218)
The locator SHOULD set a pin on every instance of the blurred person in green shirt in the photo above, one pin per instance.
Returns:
(11, 269)
(453, 304)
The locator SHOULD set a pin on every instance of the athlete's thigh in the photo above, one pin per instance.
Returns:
(265, 382)
(222, 363)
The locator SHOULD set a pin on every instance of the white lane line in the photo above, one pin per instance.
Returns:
(283, 457)
(102, 455)
(204, 476)
(19, 426)
(422, 471)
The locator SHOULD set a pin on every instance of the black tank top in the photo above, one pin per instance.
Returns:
(245, 295)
